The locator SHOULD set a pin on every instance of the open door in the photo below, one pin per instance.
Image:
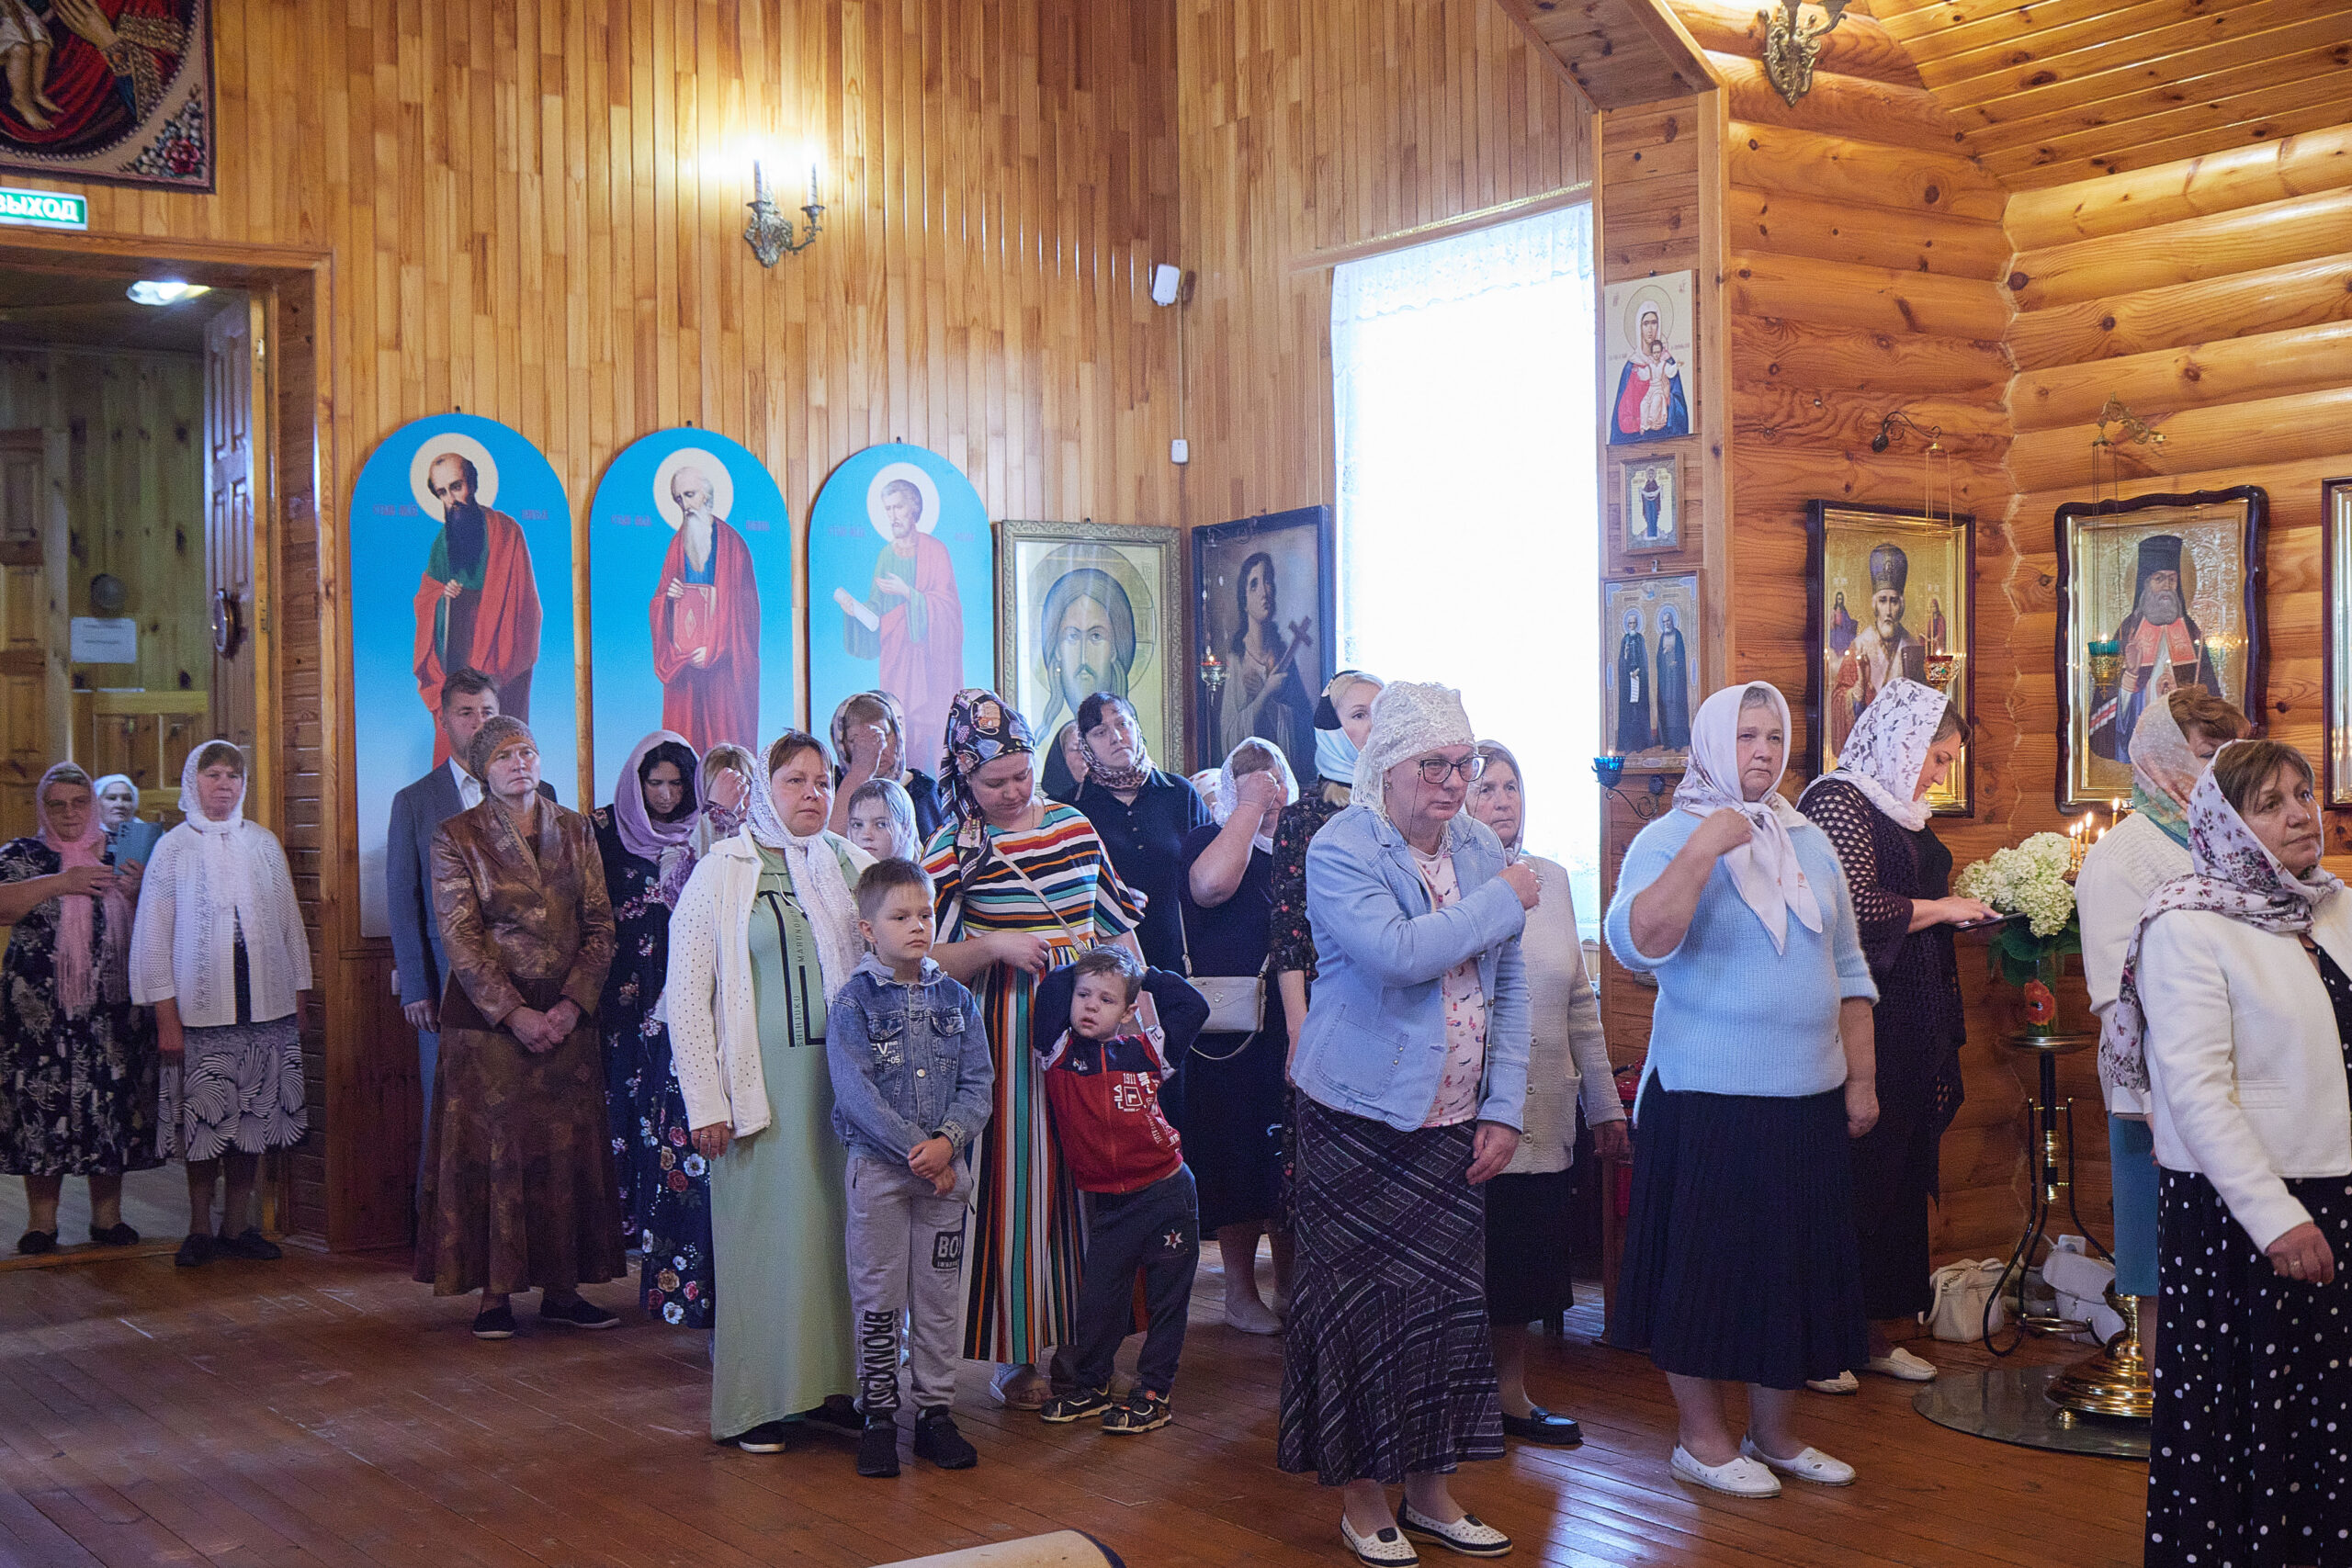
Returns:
(239, 547)
(33, 625)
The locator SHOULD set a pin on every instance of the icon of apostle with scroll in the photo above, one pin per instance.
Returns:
(2163, 651)
(478, 604)
(911, 619)
(1882, 650)
(706, 608)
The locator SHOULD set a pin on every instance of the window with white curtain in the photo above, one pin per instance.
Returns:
(1464, 374)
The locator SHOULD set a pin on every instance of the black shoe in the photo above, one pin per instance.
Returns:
(115, 1234)
(498, 1323)
(767, 1437)
(196, 1251)
(1065, 1408)
(249, 1243)
(937, 1440)
(1141, 1411)
(1540, 1426)
(32, 1244)
(577, 1313)
(877, 1446)
(838, 1414)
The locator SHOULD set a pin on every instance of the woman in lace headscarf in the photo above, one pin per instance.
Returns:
(646, 837)
(763, 936)
(77, 1058)
(1875, 808)
(221, 953)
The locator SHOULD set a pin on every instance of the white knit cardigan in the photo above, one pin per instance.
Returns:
(1568, 1055)
(182, 953)
(714, 1019)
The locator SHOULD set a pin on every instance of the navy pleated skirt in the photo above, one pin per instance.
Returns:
(1740, 1262)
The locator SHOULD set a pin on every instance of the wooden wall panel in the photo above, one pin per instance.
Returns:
(1312, 131)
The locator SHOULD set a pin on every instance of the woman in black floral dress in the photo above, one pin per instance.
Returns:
(646, 835)
(77, 1060)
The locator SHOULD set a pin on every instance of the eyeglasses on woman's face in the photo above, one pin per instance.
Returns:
(1434, 768)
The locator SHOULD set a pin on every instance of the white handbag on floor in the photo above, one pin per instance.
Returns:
(1962, 1289)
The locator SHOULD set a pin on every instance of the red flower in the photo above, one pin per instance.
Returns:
(678, 1137)
(677, 1182)
(2041, 1007)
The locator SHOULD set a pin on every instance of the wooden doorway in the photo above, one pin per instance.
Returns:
(33, 623)
(238, 575)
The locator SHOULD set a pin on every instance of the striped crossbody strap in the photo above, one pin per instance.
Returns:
(1082, 944)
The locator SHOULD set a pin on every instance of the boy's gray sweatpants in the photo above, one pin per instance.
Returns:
(906, 1254)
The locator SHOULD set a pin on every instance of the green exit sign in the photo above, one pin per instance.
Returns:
(44, 208)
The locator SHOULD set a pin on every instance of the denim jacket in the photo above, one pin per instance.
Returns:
(909, 1062)
(1374, 1045)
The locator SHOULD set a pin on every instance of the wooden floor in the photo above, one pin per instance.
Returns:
(327, 1411)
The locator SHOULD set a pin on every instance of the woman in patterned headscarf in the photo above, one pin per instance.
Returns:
(647, 839)
(1875, 808)
(77, 1059)
(1023, 887)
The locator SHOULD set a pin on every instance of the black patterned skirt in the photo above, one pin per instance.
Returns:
(1388, 1369)
(1740, 1263)
(2250, 1453)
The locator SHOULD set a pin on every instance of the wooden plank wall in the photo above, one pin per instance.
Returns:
(1309, 133)
(134, 495)
(534, 211)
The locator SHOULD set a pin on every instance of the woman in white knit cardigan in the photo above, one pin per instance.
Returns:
(1528, 1260)
(219, 952)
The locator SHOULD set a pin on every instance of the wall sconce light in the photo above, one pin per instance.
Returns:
(1792, 45)
(770, 233)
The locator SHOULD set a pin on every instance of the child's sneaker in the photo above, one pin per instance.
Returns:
(937, 1440)
(1064, 1407)
(1141, 1411)
(878, 1447)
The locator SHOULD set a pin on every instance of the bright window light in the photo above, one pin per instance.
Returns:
(1463, 377)
(166, 290)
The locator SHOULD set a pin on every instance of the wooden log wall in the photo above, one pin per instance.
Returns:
(1318, 130)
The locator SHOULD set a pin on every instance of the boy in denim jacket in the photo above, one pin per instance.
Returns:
(911, 1081)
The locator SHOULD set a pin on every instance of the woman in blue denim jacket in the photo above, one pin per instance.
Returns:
(1411, 1074)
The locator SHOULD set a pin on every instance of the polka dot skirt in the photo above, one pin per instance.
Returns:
(2250, 1461)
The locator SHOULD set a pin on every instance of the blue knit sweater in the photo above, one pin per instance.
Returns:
(1732, 1016)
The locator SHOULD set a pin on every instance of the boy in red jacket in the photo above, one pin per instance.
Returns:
(1103, 1070)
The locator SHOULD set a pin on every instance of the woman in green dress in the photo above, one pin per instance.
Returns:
(764, 934)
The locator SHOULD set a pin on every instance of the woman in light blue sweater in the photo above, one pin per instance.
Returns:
(1740, 1264)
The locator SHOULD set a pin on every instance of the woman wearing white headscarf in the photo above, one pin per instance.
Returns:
(2170, 748)
(1739, 1263)
(130, 838)
(1233, 1113)
(2234, 1016)
(221, 953)
(763, 936)
(1530, 1207)
(1411, 1075)
(1898, 874)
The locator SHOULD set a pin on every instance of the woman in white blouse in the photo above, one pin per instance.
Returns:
(2232, 1016)
(219, 952)
(1529, 1261)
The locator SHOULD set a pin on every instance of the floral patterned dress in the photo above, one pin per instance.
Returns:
(77, 1095)
(664, 1185)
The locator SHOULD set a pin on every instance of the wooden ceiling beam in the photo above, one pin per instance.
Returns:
(1860, 47)
(2066, 54)
(1620, 53)
(2325, 115)
(2245, 176)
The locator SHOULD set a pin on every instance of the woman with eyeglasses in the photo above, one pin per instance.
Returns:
(1412, 1081)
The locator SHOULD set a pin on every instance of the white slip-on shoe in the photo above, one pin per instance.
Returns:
(1469, 1535)
(1382, 1549)
(1844, 1382)
(1741, 1477)
(1811, 1464)
(1901, 1363)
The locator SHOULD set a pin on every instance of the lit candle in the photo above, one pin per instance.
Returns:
(812, 182)
(759, 182)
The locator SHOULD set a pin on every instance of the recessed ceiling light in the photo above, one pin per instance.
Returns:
(165, 292)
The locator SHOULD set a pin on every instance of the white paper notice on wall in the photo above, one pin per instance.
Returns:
(99, 639)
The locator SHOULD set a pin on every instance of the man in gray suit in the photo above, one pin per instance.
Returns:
(469, 701)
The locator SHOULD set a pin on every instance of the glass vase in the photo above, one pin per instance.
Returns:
(2038, 1014)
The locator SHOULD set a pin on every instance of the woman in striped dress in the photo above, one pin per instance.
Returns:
(1024, 886)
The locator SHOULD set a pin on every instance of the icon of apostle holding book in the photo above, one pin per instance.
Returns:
(707, 609)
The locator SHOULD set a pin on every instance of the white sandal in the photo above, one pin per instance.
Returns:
(1811, 1464)
(1844, 1382)
(1740, 1477)
(1904, 1365)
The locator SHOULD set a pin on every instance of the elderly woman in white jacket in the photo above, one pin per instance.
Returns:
(219, 952)
(2232, 1014)
(764, 934)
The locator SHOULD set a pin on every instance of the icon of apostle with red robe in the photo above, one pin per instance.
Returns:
(478, 605)
(911, 619)
(707, 621)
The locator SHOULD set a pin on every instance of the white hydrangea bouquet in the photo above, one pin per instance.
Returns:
(2032, 880)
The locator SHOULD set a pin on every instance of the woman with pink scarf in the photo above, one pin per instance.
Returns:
(77, 1060)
